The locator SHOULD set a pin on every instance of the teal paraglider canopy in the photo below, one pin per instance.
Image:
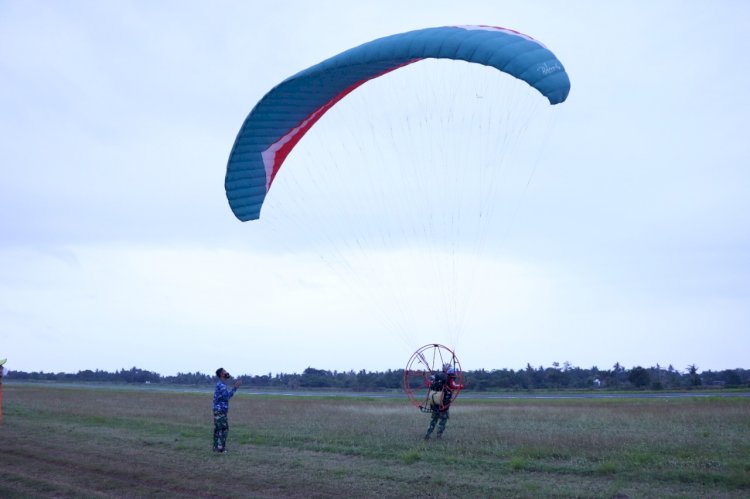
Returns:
(283, 116)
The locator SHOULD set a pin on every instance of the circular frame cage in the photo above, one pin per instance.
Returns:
(423, 363)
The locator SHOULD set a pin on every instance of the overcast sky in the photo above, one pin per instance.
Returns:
(118, 248)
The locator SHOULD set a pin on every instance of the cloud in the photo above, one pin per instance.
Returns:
(627, 240)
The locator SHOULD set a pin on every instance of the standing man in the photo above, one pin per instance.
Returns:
(440, 396)
(221, 409)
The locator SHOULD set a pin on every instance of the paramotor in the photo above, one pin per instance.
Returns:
(422, 365)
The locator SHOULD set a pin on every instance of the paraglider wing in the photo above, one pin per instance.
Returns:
(283, 116)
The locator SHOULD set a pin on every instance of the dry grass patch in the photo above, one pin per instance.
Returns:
(70, 442)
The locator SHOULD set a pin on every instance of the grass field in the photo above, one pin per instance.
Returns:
(106, 442)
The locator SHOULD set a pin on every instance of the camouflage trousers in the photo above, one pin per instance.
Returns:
(439, 418)
(221, 430)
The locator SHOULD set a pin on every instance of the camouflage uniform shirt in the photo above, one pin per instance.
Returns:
(221, 397)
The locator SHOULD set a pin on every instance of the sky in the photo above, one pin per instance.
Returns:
(118, 249)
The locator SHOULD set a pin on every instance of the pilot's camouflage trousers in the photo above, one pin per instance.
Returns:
(439, 418)
(221, 430)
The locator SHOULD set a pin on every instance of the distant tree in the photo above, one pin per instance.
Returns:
(616, 376)
(732, 378)
(527, 380)
(657, 376)
(365, 380)
(316, 378)
(553, 376)
(639, 377)
(693, 378)
(479, 379)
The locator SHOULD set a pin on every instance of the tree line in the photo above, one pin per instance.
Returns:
(556, 377)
